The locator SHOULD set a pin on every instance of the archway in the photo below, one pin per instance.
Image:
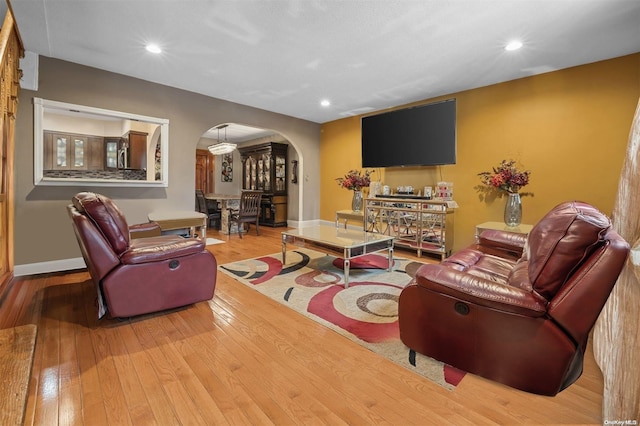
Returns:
(245, 135)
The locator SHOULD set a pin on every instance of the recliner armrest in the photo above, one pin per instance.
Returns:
(144, 230)
(479, 291)
(502, 243)
(155, 249)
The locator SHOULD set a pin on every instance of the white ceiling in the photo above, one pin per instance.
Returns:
(363, 55)
(233, 132)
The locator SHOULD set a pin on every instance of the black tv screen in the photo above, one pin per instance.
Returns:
(424, 135)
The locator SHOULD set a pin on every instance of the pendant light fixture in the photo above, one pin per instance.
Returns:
(222, 147)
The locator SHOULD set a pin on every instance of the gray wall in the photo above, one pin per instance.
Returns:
(43, 230)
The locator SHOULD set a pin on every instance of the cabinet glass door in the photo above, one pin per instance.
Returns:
(280, 173)
(61, 152)
(112, 154)
(247, 174)
(266, 158)
(254, 173)
(78, 153)
(260, 174)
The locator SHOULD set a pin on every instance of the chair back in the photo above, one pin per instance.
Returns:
(106, 216)
(563, 240)
(201, 202)
(573, 258)
(250, 203)
(97, 251)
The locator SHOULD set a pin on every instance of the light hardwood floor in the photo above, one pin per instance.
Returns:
(242, 358)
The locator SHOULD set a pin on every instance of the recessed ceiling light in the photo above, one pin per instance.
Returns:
(325, 103)
(513, 45)
(153, 48)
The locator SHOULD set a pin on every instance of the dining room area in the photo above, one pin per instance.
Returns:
(232, 159)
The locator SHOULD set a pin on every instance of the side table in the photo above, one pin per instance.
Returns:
(181, 219)
(523, 228)
(349, 214)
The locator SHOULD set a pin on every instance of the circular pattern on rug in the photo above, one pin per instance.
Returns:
(372, 303)
(368, 310)
(317, 279)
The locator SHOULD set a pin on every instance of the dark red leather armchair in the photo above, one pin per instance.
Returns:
(141, 275)
(518, 310)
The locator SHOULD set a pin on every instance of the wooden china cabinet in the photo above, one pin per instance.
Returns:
(264, 167)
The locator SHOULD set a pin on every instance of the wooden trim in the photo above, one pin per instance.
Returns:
(11, 50)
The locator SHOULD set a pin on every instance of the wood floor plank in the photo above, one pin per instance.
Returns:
(92, 396)
(239, 372)
(243, 359)
(135, 397)
(36, 285)
(47, 346)
(183, 407)
(334, 361)
(237, 404)
(176, 346)
(69, 400)
(152, 390)
(17, 348)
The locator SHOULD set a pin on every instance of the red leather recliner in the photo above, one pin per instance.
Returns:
(141, 275)
(518, 310)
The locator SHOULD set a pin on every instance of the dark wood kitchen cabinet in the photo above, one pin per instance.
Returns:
(68, 151)
(137, 149)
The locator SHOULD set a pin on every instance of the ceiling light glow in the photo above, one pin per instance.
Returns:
(513, 45)
(222, 148)
(325, 103)
(153, 48)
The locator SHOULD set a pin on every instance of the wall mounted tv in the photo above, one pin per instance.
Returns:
(423, 135)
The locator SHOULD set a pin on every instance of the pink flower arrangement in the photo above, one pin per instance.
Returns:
(506, 177)
(355, 180)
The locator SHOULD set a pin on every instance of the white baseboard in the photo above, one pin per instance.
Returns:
(46, 267)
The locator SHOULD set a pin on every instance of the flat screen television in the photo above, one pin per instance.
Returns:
(423, 135)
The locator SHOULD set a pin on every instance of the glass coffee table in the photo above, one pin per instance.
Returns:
(346, 243)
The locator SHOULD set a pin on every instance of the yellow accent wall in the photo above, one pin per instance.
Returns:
(569, 128)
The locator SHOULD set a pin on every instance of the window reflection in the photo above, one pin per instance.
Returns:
(75, 143)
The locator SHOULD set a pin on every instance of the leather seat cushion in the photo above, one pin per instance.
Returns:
(165, 247)
(477, 263)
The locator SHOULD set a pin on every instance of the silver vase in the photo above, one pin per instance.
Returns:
(513, 210)
(356, 201)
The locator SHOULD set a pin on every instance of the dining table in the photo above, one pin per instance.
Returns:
(227, 202)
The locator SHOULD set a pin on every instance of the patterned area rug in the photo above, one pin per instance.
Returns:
(312, 283)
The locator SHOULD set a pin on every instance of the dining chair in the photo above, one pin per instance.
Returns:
(248, 211)
(214, 216)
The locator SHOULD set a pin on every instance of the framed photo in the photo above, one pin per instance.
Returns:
(227, 167)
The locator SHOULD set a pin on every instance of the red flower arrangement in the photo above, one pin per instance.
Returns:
(506, 177)
(355, 180)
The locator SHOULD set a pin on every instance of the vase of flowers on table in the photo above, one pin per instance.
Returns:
(354, 181)
(509, 179)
